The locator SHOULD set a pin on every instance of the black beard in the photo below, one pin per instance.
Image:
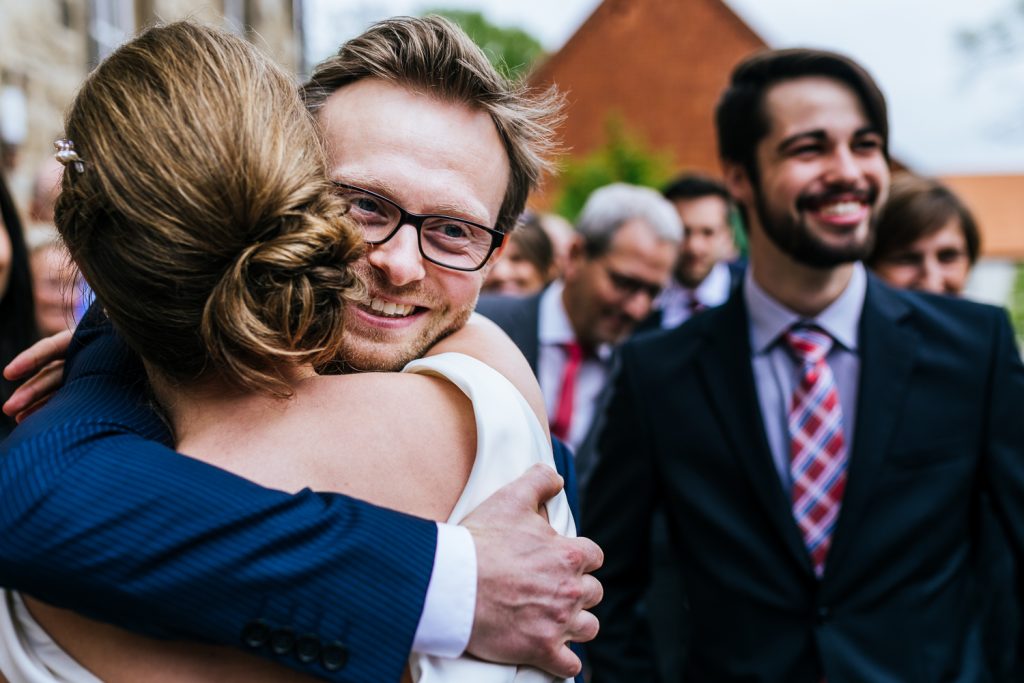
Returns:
(793, 238)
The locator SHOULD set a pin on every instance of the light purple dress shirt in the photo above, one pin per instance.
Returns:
(776, 373)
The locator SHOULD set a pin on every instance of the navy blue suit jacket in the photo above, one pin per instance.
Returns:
(939, 421)
(101, 516)
(519, 317)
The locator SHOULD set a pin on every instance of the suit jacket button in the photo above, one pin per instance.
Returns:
(823, 615)
(282, 641)
(307, 648)
(334, 656)
(256, 633)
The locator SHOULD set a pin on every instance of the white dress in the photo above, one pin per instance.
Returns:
(509, 440)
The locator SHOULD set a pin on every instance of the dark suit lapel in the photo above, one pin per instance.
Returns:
(887, 352)
(728, 380)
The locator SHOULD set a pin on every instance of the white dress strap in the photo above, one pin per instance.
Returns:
(510, 440)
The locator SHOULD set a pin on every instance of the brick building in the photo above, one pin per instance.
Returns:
(997, 202)
(660, 65)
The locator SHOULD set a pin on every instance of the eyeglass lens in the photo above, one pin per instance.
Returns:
(446, 241)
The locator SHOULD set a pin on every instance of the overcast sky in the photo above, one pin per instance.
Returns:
(945, 119)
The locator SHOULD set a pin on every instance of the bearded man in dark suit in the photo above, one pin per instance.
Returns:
(820, 442)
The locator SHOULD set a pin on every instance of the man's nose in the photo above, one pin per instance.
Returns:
(932, 278)
(399, 258)
(698, 246)
(637, 305)
(843, 166)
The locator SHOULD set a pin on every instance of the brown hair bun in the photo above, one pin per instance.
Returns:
(203, 219)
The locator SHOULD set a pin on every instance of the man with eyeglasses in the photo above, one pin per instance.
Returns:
(436, 153)
(626, 242)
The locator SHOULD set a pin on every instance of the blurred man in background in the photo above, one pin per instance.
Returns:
(626, 243)
(704, 275)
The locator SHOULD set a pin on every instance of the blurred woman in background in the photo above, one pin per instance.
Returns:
(17, 313)
(927, 239)
(528, 263)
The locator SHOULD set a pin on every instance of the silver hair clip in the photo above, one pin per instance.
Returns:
(66, 154)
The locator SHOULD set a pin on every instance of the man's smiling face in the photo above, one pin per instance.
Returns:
(822, 173)
(430, 157)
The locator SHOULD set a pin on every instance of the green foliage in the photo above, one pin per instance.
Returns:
(739, 233)
(511, 50)
(624, 157)
(1017, 304)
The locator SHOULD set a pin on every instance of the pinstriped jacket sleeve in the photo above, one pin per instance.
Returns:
(100, 516)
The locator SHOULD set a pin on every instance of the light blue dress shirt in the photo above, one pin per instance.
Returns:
(776, 373)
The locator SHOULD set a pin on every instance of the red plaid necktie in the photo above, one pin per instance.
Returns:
(563, 409)
(817, 447)
(695, 304)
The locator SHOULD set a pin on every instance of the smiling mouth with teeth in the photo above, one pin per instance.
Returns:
(837, 203)
(841, 208)
(389, 309)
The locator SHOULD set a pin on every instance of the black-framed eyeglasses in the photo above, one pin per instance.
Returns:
(630, 286)
(445, 240)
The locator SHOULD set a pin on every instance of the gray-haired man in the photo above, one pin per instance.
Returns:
(626, 244)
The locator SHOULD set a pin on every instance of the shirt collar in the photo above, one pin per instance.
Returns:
(553, 326)
(769, 319)
(714, 290)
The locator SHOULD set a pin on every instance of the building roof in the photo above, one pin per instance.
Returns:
(658, 64)
(997, 202)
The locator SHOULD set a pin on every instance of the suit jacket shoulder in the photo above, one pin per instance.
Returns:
(519, 317)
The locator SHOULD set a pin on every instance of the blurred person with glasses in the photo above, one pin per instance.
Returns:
(626, 242)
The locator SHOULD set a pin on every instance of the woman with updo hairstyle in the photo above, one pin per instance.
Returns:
(926, 238)
(196, 204)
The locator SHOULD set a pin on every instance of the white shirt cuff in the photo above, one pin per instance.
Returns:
(448, 609)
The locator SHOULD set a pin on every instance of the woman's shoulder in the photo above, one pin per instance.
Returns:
(416, 398)
(404, 441)
(486, 342)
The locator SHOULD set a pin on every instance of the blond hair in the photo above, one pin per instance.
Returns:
(202, 218)
(434, 56)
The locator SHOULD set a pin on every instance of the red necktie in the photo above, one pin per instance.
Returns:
(696, 306)
(817, 445)
(563, 409)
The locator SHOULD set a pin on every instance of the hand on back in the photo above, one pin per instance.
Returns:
(533, 585)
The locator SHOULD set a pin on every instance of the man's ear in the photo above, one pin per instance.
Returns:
(737, 181)
(577, 256)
